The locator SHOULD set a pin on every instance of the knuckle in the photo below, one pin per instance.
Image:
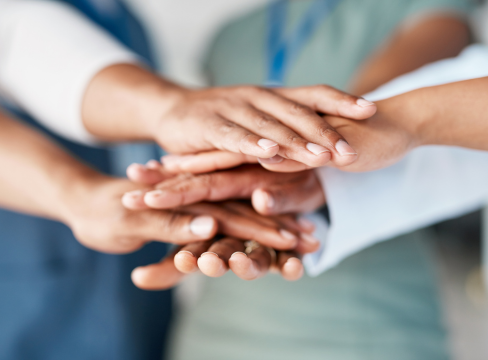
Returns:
(264, 121)
(327, 132)
(300, 110)
(170, 223)
(293, 139)
(224, 127)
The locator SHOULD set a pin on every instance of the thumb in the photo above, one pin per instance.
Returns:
(287, 198)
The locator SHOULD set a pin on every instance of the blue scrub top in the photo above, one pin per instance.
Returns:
(60, 300)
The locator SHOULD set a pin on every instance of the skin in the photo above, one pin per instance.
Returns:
(410, 47)
(274, 194)
(127, 103)
(303, 194)
(50, 183)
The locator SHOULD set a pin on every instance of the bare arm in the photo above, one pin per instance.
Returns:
(412, 46)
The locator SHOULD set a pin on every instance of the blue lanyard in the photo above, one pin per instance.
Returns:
(282, 51)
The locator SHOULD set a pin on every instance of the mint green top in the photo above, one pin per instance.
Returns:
(345, 39)
(380, 304)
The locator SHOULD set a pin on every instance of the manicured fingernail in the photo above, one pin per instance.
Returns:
(364, 103)
(273, 160)
(306, 224)
(343, 148)
(287, 235)
(266, 144)
(152, 164)
(316, 149)
(309, 239)
(202, 226)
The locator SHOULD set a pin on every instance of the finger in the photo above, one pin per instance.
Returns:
(236, 225)
(227, 135)
(206, 162)
(163, 275)
(290, 265)
(264, 121)
(307, 244)
(307, 124)
(134, 200)
(146, 175)
(294, 197)
(236, 184)
(215, 262)
(186, 258)
(328, 100)
(168, 226)
(252, 266)
(279, 164)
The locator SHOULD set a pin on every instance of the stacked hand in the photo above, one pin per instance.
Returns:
(271, 193)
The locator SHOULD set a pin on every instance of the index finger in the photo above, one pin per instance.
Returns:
(328, 100)
(205, 162)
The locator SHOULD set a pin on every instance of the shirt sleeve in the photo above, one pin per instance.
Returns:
(431, 184)
(48, 55)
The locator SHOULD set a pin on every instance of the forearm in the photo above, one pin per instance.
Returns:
(48, 79)
(37, 177)
(452, 114)
(431, 39)
(123, 103)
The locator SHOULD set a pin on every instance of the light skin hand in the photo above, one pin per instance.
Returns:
(125, 102)
(271, 193)
(215, 258)
(171, 270)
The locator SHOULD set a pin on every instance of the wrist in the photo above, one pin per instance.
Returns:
(401, 112)
(76, 187)
(126, 103)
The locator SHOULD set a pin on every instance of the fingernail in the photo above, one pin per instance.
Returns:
(266, 144)
(316, 149)
(154, 193)
(209, 253)
(268, 199)
(138, 275)
(202, 226)
(305, 223)
(343, 148)
(287, 235)
(309, 239)
(136, 194)
(363, 102)
(273, 160)
(171, 159)
(152, 164)
(238, 253)
(185, 252)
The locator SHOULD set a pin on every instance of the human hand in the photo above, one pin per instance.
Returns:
(381, 140)
(218, 257)
(262, 122)
(271, 193)
(215, 258)
(126, 103)
(99, 220)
